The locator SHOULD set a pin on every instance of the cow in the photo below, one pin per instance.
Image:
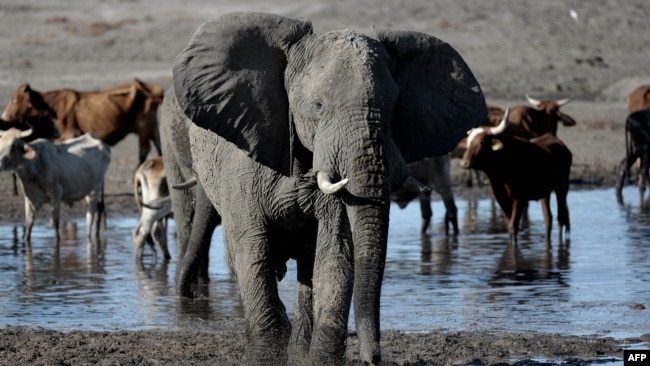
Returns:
(57, 173)
(525, 121)
(520, 170)
(639, 98)
(109, 114)
(149, 185)
(637, 146)
(435, 173)
(41, 127)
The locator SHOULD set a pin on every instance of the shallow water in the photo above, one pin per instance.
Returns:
(588, 285)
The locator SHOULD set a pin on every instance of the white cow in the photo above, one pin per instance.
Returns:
(150, 185)
(55, 173)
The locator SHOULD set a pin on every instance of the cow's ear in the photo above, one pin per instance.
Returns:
(29, 153)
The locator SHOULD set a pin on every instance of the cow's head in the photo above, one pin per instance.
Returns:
(552, 109)
(13, 148)
(26, 104)
(481, 142)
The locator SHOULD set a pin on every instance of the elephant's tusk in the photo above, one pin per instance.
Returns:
(185, 185)
(325, 183)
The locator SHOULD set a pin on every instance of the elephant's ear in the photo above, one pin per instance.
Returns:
(439, 97)
(230, 80)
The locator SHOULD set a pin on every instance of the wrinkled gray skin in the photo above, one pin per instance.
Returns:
(435, 173)
(271, 106)
(195, 216)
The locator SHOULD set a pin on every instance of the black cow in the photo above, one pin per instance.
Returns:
(637, 146)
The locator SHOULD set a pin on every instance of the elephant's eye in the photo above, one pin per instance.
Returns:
(319, 107)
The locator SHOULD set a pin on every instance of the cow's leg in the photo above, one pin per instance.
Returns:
(451, 211)
(55, 216)
(625, 165)
(92, 216)
(30, 212)
(548, 217)
(425, 210)
(145, 146)
(562, 210)
(643, 173)
(159, 233)
(518, 207)
(624, 169)
(507, 208)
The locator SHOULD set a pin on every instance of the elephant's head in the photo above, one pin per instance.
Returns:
(346, 106)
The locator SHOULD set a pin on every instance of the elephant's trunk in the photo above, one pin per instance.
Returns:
(369, 235)
(359, 162)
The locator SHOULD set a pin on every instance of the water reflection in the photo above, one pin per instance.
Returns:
(473, 281)
(436, 259)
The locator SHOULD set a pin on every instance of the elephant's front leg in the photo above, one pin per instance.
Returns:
(332, 285)
(267, 323)
(303, 319)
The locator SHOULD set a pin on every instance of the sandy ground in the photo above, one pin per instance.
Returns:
(514, 47)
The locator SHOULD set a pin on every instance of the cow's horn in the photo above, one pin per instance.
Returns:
(185, 185)
(325, 183)
(26, 133)
(502, 125)
(413, 185)
(565, 101)
(533, 101)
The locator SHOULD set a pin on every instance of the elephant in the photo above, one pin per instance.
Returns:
(297, 139)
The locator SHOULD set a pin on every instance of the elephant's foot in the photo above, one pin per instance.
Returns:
(268, 349)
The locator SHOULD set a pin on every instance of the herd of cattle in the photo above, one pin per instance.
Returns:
(57, 144)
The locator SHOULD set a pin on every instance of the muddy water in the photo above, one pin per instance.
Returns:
(591, 284)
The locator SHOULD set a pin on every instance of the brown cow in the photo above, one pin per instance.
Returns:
(521, 170)
(639, 98)
(526, 121)
(110, 114)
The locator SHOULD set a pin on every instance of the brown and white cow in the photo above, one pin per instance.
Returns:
(435, 173)
(639, 98)
(149, 185)
(521, 170)
(542, 116)
(57, 173)
(109, 114)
